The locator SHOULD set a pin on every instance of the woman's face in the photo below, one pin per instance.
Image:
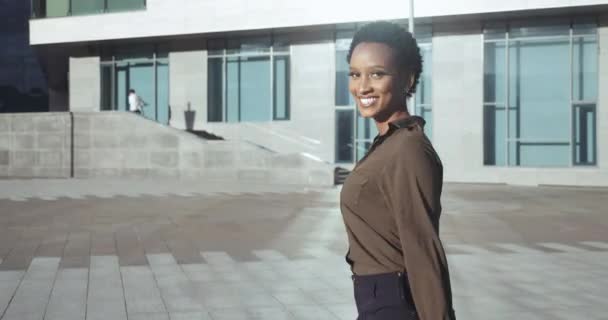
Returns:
(376, 83)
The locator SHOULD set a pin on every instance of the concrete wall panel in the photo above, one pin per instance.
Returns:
(188, 87)
(85, 84)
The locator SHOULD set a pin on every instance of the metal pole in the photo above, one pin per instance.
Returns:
(411, 29)
(411, 19)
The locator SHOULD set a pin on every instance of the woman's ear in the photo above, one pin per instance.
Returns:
(407, 83)
(410, 83)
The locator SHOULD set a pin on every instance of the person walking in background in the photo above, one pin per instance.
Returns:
(135, 102)
(390, 202)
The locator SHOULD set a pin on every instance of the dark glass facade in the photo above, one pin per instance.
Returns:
(23, 87)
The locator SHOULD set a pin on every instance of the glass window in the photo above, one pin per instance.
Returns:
(215, 94)
(494, 72)
(343, 96)
(585, 27)
(539, 29)
(247, 81)
(57, 8)
(532, 125)
(585, 133)
(62, 8)
(539, 103)
(107, 72)
(255, 89)
(23, 84)
(366, 128)
(585, 66)
(249, 45)
(281, 88)
(366, 131)
(345, 135)
(124, 5)
(424, 91)
(494, 135)
(232, 90)
(121, 88)
(87, 6)
(149, 77)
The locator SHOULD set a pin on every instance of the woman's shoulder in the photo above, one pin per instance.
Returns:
(412, 144)
(410, 137)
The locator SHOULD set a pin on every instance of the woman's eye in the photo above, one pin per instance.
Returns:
(376, 75)
(353, 75)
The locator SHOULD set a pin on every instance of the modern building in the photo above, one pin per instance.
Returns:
(511, 90)
(23, 86)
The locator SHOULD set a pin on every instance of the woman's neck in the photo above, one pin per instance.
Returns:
(383, 124)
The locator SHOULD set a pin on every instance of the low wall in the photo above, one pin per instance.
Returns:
(35, 145)
(119, 144)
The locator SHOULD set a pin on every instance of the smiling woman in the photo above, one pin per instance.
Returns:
(375, 81)
(391, 200)
(384, 71)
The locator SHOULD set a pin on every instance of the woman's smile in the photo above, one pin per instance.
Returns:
(367, 101)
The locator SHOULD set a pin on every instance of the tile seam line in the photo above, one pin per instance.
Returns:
(137, 233)
(46, 307)
(86, 298)
(16, 288)
(122, 282)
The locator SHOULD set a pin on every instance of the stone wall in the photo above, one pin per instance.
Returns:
(35, 145)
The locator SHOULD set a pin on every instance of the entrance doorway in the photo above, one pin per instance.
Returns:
(148, 76)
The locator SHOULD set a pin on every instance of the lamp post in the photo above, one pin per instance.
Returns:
(411, 19)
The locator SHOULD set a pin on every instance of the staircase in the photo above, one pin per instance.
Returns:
(134, 146)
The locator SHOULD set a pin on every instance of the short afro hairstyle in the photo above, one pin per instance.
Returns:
(406, 48)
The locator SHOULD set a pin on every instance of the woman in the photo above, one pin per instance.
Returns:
(391, 200)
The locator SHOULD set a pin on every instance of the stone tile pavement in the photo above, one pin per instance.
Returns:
(189, 250)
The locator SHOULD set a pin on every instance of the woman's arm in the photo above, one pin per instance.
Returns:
(411, 185)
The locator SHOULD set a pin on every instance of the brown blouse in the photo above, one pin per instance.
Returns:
(391, 207)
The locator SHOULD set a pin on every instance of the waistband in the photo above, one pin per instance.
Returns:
(380, 276)
(375, 291)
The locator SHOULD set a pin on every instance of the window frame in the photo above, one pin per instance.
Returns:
(506, 29)
(223, 48)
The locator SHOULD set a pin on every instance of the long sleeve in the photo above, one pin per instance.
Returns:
(411, 185)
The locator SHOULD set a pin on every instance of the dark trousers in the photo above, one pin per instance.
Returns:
(384, 296)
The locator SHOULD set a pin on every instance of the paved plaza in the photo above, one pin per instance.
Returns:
(181, 250)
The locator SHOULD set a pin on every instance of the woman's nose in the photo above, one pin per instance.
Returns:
(364, 85)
